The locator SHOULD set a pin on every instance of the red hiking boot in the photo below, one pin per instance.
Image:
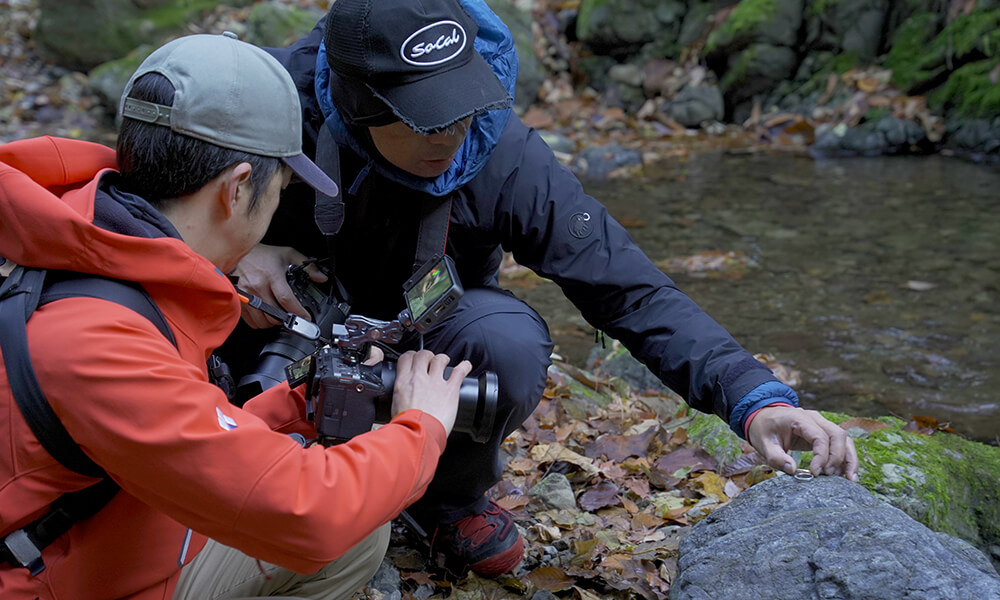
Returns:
(488, 542)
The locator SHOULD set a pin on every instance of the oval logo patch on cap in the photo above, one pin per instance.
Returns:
(434, 44)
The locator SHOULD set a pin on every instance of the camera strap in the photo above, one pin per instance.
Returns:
(20, 295)
(329, 211)
(435, 213)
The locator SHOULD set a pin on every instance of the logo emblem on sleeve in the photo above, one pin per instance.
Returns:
(434, 44)
(580, 225)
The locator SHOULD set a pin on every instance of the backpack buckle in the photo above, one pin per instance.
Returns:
(22, 552)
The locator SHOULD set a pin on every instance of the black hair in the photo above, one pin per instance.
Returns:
(160, 165)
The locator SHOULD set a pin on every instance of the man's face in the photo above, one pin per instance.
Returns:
(420, 155)
(250, 225)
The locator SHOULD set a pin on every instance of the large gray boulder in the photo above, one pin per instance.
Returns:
(826, 538)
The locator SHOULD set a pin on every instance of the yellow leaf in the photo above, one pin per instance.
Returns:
(712, 485)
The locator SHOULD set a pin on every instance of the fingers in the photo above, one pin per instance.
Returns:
(775, 430)
(777, 458)
(851, 464)
(285, 298)
(375, 356)
(314, 272)
(461, 371)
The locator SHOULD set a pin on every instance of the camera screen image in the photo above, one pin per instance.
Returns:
(428, 290)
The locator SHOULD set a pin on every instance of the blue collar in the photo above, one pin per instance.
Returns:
(495, 43)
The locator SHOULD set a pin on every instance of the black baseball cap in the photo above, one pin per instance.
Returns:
(415, 56)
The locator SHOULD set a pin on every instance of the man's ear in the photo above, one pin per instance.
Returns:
(236, 190)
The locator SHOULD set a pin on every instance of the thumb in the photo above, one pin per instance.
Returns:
(777, 458)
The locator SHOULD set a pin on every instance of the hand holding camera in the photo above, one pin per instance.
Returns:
(345, 394)
(421, 384)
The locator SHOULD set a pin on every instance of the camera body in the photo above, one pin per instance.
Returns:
(350, 397)
(344, 396)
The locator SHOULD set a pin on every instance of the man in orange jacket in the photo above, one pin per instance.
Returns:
(215, 500)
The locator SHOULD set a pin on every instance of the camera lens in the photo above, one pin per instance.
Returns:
(477, 406)
(477, 400)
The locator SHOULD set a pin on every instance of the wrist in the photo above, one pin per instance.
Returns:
(749, 419)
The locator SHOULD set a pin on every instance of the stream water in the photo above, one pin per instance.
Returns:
(877, 279)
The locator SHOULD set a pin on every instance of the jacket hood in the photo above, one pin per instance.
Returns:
(48, 188)
(495, 44)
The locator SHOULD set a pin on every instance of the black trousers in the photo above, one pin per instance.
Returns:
(496, 332)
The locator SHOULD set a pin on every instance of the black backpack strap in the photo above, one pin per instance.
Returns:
(23, 547)
(17, 303)
(23, 292)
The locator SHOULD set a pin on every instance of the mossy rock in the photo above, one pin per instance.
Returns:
(278, 25)
(110, 78)
(716, 438)
(946, 482)
(774, 22)
(969, 92)
(758, 69)
(847, 26)
(921, 55)
(621, 26)
(84, 34)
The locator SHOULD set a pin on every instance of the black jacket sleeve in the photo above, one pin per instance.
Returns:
(538, 210)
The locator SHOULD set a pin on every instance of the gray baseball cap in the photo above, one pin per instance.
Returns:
(231, 94)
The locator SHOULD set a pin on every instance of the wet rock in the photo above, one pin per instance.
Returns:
(600, 161)
(756, 70)
(387, 581)
(554, 491)
(595, 70)
(786, 539)
(695, 105)
(980, 136)
(626, 74)
(614, 26)
(848, 26)
(889, 135)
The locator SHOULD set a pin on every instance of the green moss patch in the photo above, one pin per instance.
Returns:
(969, 91)
(746, 18)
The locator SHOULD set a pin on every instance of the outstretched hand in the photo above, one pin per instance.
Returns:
(262, 273)
(777, 429)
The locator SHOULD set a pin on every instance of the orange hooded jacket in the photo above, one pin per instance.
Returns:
(146, 412)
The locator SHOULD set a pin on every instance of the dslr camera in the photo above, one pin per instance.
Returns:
(345, 397)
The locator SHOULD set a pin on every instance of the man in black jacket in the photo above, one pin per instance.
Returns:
(414, 97)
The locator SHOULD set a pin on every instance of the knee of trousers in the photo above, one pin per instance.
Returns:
(497, 332)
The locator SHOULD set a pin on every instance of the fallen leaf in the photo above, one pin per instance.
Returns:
(758, 474)
(869, 425)
(522, 466)
(552, 579)
(550, 453)
(712, 486)
(537, 118)
(695, 459)
(619, 447)
(603, 494)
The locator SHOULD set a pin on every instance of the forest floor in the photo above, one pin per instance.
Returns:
(632, 460)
